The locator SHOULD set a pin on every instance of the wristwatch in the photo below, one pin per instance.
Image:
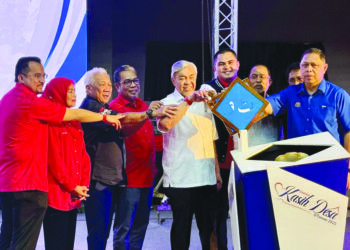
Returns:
(149, 113)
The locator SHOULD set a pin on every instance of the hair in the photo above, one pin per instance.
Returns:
(223, 51)
(116, 74)
(319, 52)
(292, 66)
(89, 78)
(22, 65)
(268, 71)
(179, 65)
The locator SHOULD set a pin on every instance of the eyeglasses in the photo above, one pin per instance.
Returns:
(295, 80)
(128, 82)
(306, 65)
(262, 77)
(38, 75)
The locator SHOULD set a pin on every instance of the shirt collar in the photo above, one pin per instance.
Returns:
(125, 102)
(226, 84)
(94, 99)
(177, 95)
(321, 88)
(25, 88)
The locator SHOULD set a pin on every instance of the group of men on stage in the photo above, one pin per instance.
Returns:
(196, 147)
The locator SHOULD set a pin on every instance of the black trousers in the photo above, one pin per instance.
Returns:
(59, 229)
(22, 216)
(186, 202)
(221, 210)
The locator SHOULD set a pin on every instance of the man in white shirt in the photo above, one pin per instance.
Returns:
(191, 173)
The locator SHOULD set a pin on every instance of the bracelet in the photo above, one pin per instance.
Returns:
(188, 101)
(105, 118)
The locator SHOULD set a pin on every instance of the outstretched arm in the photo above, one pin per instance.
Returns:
(83, 115)
(347, 147)
(167, 123)
(133, 121)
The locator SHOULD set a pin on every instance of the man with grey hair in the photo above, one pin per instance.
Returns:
(191, 173)
(105, 148)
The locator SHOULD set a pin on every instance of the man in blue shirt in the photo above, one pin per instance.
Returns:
(316, 105)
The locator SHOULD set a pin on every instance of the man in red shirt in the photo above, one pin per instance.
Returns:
(134, 201)
(24, 150)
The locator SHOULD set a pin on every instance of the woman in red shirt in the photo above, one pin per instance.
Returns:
(68, 170)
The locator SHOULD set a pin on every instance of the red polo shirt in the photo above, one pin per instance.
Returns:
(24, 139)
(139, 147)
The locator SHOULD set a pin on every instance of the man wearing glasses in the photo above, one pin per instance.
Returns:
(269, 129)
(24, 152)
(105, 148)
(135, 199)
(316, 105)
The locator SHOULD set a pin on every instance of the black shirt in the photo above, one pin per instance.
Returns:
(104, 146)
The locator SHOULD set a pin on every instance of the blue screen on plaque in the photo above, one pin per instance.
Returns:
(239, 106)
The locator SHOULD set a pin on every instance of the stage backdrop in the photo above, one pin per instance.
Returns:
(54, 30)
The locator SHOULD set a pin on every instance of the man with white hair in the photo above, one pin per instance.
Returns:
(105, 148)
(191, 173)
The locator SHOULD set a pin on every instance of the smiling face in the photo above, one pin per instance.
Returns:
(312, 69)
(226, 66)
(101, 88)
(185, 80)
(129, 85)
(71, 96)
(260, 79)
(34, 78)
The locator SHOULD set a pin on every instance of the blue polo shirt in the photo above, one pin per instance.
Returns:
(308, 114)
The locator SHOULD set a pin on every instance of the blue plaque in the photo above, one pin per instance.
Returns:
(239, 106)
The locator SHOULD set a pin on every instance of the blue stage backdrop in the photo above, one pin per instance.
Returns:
(54, 30)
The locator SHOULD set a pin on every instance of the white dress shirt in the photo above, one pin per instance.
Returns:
(188, 148)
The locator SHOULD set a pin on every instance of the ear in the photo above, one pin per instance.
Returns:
(117, 86)
(20, 78)
(214, 68)
(173, 81)
(238, 65)
(88, 89)
(325, 67)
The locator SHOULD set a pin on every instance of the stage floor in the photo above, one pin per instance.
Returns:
(158, 234)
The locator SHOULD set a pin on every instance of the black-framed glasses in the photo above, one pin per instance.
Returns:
(38, 75)
(128, 82)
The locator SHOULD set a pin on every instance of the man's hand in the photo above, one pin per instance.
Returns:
(165, 111)
(81, 192)
(199, 96)
(218, 180)
(114, 120)
(155, 105)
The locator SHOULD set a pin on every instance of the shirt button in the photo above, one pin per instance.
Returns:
(307, 119)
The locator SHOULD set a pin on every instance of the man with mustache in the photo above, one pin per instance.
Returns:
(135, 199)
(316, 105)
(268, 129)
(106, 150)
(24, 153)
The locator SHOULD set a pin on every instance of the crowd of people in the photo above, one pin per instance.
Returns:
(53, 157)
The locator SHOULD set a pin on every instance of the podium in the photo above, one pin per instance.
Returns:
(327, 165)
